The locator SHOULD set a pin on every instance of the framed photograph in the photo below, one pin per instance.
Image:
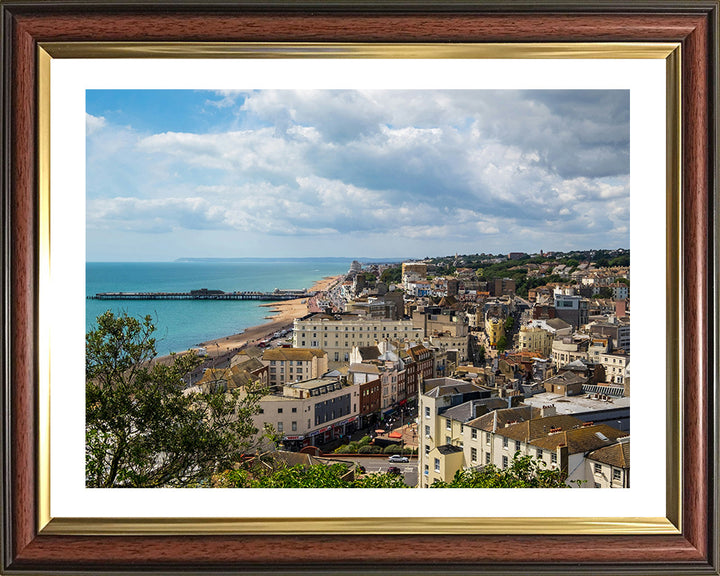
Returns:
(67, 64)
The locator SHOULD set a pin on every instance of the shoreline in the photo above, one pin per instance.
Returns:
(281, 316)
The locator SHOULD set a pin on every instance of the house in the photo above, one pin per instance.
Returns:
(294, 364)
(609, 466)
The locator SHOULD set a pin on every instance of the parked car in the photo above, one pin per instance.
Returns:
(398, 458)
(394, 470)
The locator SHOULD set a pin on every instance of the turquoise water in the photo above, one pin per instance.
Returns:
(185, 323)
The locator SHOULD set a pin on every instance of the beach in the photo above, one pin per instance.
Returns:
(281, 316)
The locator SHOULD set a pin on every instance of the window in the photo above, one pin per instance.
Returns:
(294, 410)
(487, 437)
(448, 424)
(427, 431)
(427, 449)
(597, 485)
(448, 440)
(505, 461)
(426, 471)
(473, 454)
(540, 453)
(473, 434)
(505, 443)
(487, 457)
(598, 468)
(293, 425)
(262, 411)
(427, 411)
(280, 426)
(553, 457)
(617, 474)
(517, 445)
(437, 464)
(279, 410)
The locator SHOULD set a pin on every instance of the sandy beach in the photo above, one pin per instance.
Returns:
(281, 316)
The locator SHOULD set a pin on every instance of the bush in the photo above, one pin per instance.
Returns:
(364, 441)
(392, 449)
(366, 450)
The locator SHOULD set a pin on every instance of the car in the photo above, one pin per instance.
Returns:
(398, 458)
(394, 470)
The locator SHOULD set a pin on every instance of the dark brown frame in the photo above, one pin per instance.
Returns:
(692, 23)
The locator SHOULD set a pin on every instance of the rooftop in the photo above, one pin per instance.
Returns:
(573, 404)
(305, 354)
(581, 439)
(617, 454)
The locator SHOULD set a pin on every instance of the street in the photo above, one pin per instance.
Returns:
(381, 464)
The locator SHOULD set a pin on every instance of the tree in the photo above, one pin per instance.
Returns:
(481, 355)
(605, 292)
(313, 476)
(143, 429)
(502, 343)
(524, 472)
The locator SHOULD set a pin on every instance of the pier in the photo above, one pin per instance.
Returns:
(205, 294)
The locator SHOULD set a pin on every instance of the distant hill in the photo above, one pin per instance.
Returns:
(311, 259)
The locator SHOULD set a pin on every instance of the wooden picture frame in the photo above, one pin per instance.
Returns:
(692, 549)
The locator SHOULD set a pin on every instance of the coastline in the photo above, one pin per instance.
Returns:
(281, 316)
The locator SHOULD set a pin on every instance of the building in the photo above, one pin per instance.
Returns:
(311, 412)
(609, 466)
(569, 349)
(495, 329)
(294, 364)
(338, 334)
(617, 330)
(535, 340)
(434, 430)
(555, 326)
(615, 364)
(418, 268)
(572, 309)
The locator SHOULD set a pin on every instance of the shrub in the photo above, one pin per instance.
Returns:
(392, 449)
(366, 450)
(364, 441)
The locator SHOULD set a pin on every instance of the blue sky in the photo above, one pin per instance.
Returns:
(181, 173)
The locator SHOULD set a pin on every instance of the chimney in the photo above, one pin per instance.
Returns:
(548, 411)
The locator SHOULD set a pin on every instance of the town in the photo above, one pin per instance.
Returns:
(429, 368)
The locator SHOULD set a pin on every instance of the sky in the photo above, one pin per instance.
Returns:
(352, 173)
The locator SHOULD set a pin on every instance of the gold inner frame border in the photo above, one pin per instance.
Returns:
(670, 524)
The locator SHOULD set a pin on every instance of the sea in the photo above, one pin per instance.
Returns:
(182, 324)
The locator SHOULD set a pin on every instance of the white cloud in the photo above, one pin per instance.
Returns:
(460, 166)
(94, 123)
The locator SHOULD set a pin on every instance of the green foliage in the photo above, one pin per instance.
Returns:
(364, 441)
(370, 278)
(314, 476)
(481, 355)
(605, 292)
(392, 449)
(502, 343)
(391, 275)
(142, 429)
(380, 480)
(625, 281)
(622, 260)
(509, 323)
(523, 472)
(370, 449)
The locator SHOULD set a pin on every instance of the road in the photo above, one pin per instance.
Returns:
(381, 464)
